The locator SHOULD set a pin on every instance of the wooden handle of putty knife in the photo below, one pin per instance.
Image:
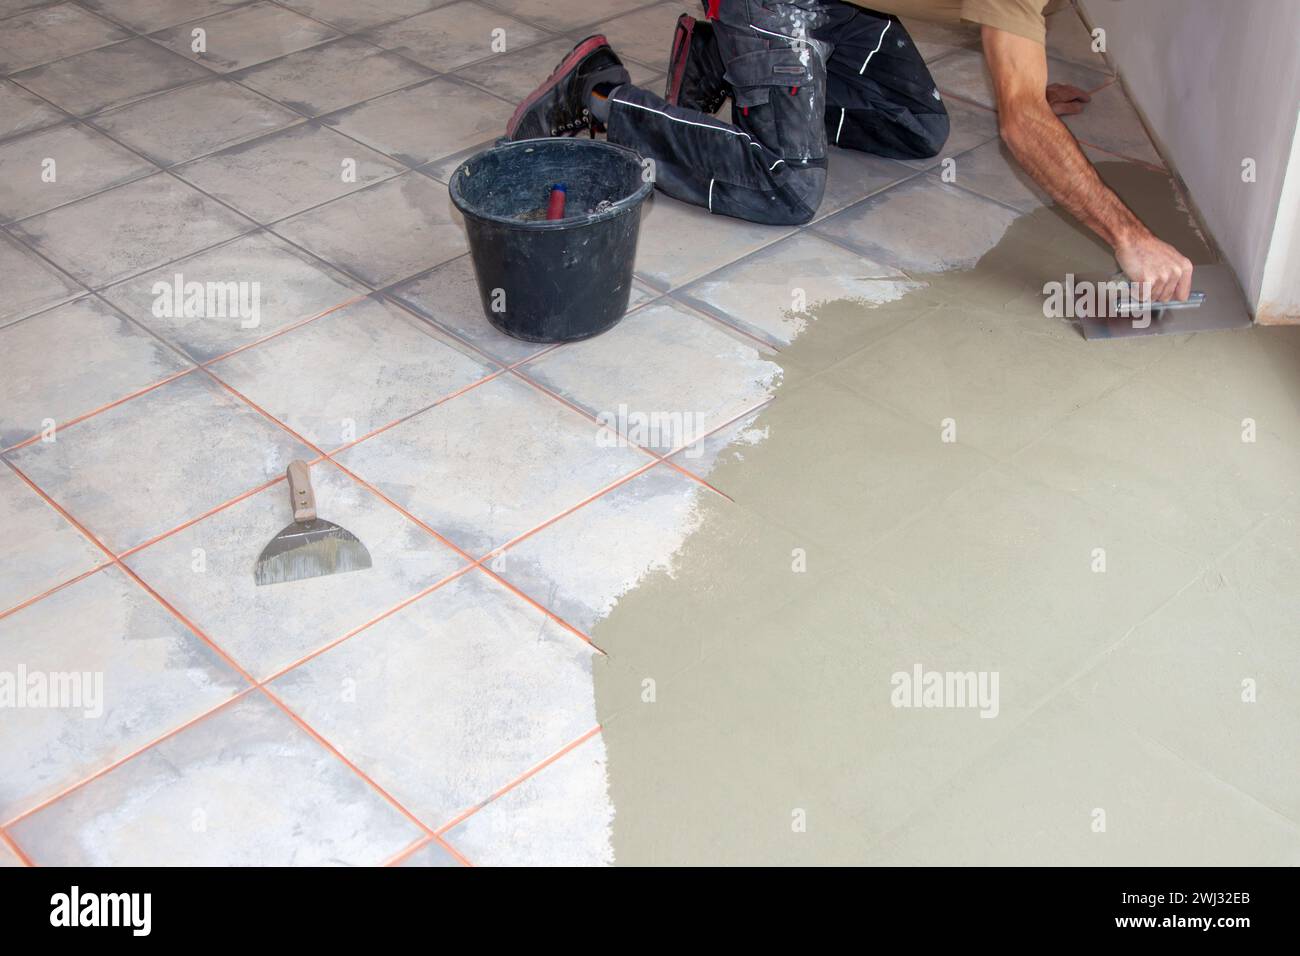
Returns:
(300, 493)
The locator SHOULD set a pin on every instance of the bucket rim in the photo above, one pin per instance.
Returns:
(618, 208)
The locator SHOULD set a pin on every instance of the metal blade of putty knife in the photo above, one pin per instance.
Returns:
(308, 547)
(1216, 304)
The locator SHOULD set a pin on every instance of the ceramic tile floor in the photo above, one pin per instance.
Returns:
(443, 714)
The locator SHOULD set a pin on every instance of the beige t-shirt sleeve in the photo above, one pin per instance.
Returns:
(1021, 17)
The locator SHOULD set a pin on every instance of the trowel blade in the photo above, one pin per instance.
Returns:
(309, 549)
(1223, 307)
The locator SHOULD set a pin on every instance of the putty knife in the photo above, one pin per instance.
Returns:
(308, 547)
(1217, 304)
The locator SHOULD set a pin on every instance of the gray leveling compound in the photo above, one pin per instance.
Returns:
(308, 547)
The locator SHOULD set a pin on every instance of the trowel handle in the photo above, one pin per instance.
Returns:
(301, 496)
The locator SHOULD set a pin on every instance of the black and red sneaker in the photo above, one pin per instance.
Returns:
(695, 69)
(559, 106)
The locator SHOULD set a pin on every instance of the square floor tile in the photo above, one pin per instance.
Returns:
(434, 854)
(922, 226)
(149, 15)
(1110, 122)
(580, 566)
(190, 122)
(290, 287)
(1013, 563)
(1181, 678)
(9, 8)
(41, 549)
(123, 672)
(333, 75)
(1068, 38)
(355, 370)
(55, 166)
(385, 233)
(690, 376)
(23, 112)
(449, 296)
(968, 127)
(246, 35)
(51, 33)
(244, 787)
(206, 573)
(150, 464)
(287, 172)
(966, 74)
(560, 816)
(779, 292)
(129, 229)
(1000, 386)
(426, 122)
(350, 16)
(492, 463)
(112, 76)
(44, 360)
(1167, 466)
(1033, 801)
(992, 171)
(451, 698)
(934, 40)
(454, 35)
(680, 242)
(645, 35)
(516, 74)
(852, 175)
(31, 283)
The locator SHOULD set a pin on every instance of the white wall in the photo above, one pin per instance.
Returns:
(1219, 81)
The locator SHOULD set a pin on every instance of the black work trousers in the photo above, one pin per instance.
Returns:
(803, 75)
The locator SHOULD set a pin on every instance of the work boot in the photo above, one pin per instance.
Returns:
(695, 70)
(562, 105)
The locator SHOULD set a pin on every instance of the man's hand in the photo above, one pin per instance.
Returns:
(1040, 142)
(1149, 260)
(1065, 99)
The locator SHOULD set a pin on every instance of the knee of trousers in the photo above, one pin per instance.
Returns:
(789, 200)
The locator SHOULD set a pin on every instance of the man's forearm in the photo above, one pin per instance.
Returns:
(1044, 147)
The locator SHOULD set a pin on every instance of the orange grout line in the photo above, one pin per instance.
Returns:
(74, 787)
(58, 587)
(398, 421)
(383, 497)
(23, 858)
(583, 412)
(64, 512)
(401, 605)
(533, 771)
(500, 549)
(207, 514)
(103, 408)
(420, 844)
(283, 331)
(541, 607)
(198, 632)
(195, 367)
(343, 759)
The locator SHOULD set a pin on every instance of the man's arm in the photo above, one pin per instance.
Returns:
(1049, 153)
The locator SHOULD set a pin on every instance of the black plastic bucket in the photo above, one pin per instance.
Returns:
(556, 280)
